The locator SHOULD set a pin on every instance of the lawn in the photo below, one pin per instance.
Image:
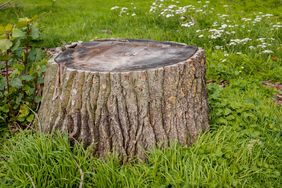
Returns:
(242, 41)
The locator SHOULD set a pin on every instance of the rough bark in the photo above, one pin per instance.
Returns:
(127, 112)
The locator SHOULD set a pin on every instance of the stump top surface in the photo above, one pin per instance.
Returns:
(120, 55)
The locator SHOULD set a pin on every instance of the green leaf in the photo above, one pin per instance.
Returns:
(30, 118)
(16, 83)
(2, 29)
(5, 44)
(21, 119)
(28, 90)
(34, 55)
(19, 67)
(17, 33)
(4, 108)
(19, 98)
(37, 99)
(26, 77)
(40, 80)
(2, 83)
(8, 27)
(24, 111)
(35, 34)
(16, 46)
(24, 21)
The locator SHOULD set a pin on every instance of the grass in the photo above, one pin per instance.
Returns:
(243, 147)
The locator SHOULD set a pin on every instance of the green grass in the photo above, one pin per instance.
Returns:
(243, 147)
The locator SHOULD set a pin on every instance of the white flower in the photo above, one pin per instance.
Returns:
(223, 26)
(189, 24)
(257, 19)
(115, 7)
(234, 42)
(267, 15)
(263, 45)
(267, 52)
(277, 26)
(171, 6)
(216, 33)
(223, 15)
(169, 15)
(133, 14)
(251, 47)
(245, 40)
(153, 9)
(199, 10)
(261, 39)
(218, 47)
(246, 19)
(215, 24)
(201, 36)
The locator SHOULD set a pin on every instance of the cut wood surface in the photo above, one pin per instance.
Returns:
(126, 96)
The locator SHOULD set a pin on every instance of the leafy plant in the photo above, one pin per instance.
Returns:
(21, 72)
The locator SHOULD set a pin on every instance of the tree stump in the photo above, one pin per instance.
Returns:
(126, 96)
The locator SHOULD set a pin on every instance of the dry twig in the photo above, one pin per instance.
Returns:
(5, 4)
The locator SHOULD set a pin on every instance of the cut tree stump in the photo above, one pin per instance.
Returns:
(126, 96)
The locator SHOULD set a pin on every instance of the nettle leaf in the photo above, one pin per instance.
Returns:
(17, 33)
(23, 112)
(4, 108)
(2, 83)
(19, 98)
(40, 80)
(24, 21)
(37, 99)
(35, 33)
(5, 44)
(8, 27)
(41, 68)
(30, 118)
(19, 67)
(2, 29)
(16, 46)
(27, 77)
(34, 54)
(16, 83)
(28, 90)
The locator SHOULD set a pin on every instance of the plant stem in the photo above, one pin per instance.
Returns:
(7, 75)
